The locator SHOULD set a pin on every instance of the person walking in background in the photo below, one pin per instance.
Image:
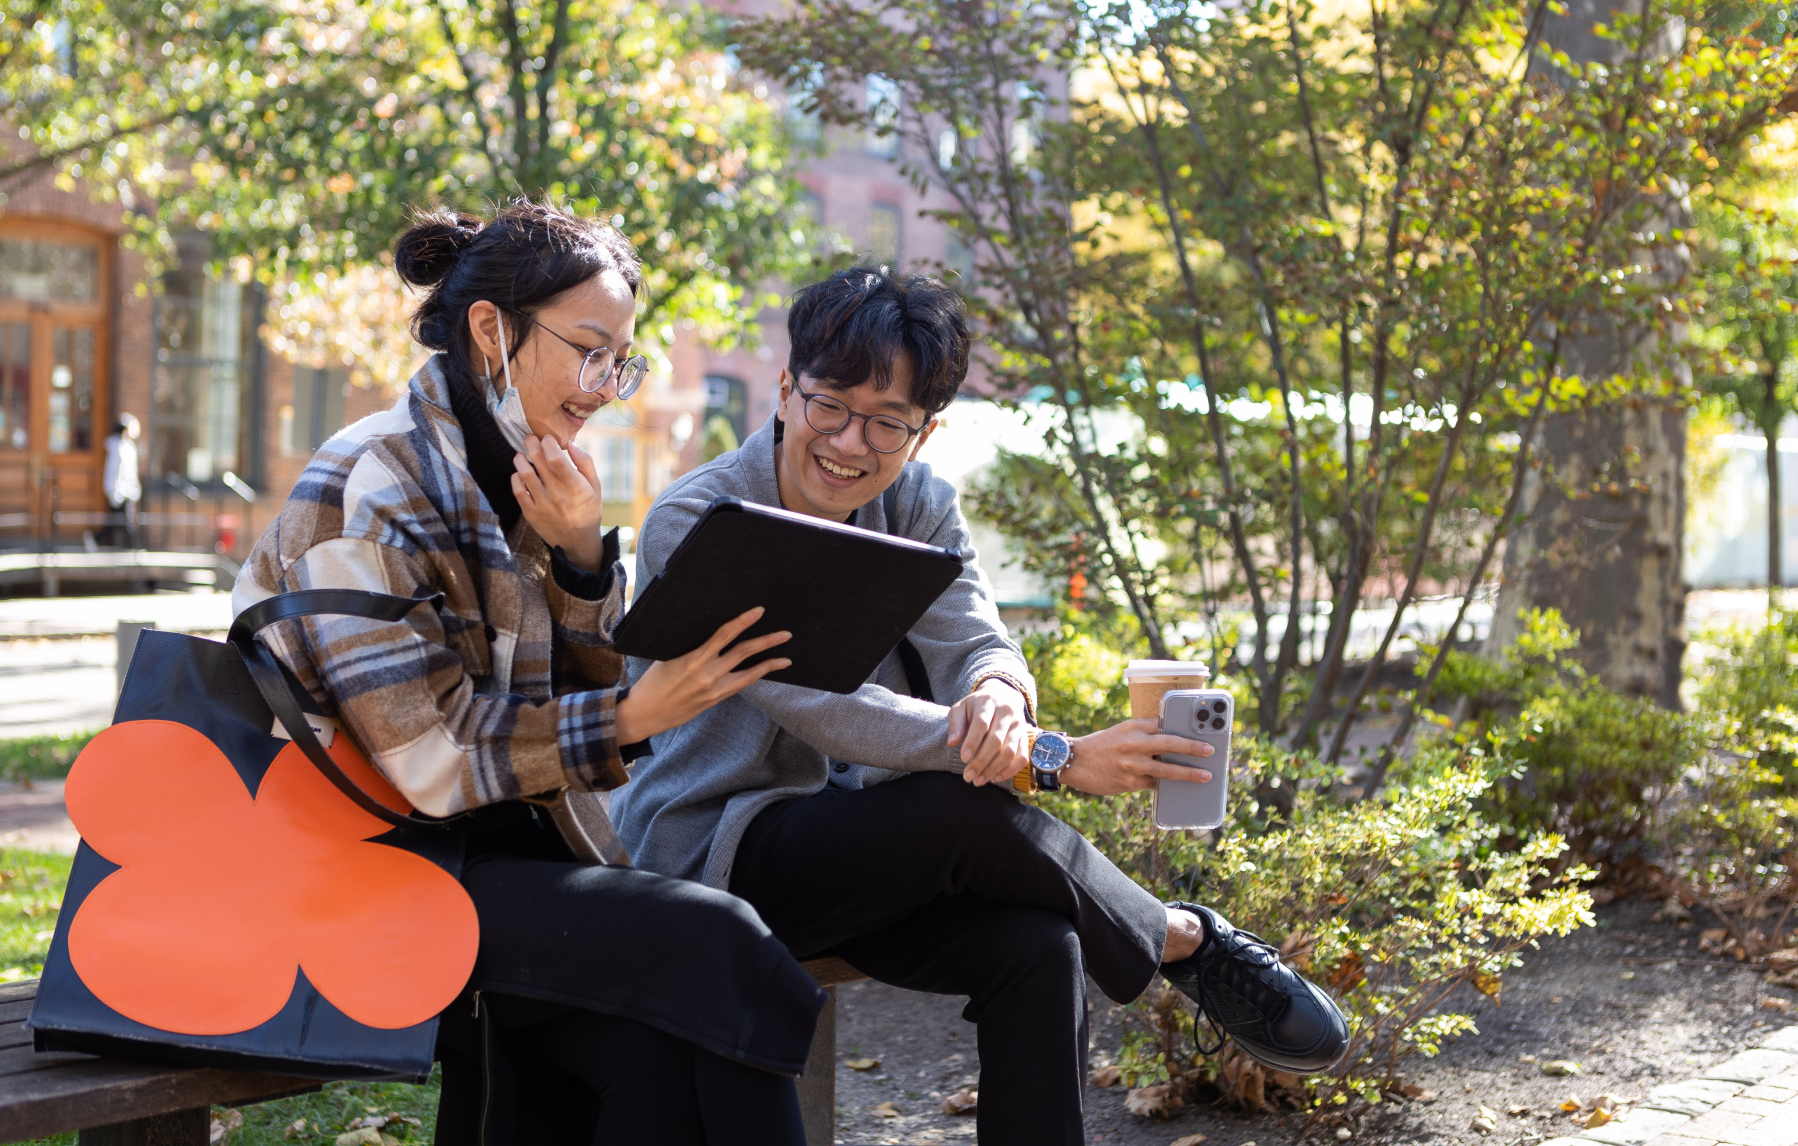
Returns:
(120, 483)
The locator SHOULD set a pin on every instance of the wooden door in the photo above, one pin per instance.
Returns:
(55, 280)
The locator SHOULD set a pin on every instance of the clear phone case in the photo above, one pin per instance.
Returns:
(1208, 715)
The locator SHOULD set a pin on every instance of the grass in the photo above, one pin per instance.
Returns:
(41, 757)
(31, 886)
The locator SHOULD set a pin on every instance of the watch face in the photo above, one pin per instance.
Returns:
(1051, 752)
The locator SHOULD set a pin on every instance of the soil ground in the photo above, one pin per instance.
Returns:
(1630, 1000)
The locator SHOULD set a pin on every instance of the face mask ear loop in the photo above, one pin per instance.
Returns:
(505, 361)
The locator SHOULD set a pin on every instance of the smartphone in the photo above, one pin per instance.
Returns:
(1208, 715)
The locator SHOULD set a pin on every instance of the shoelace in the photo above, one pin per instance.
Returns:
(1244, 982)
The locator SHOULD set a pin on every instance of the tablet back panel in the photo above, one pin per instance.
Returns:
(847, 595)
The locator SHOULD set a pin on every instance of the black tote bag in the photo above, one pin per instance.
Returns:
(246, 900)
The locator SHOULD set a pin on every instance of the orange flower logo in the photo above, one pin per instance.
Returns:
(221, 898)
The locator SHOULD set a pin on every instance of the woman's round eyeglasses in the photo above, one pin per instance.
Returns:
(884, 434)
(601, 364)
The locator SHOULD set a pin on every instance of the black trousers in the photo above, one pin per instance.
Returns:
(931, 884)
(611, 1005)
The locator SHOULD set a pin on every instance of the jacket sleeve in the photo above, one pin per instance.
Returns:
(584, 608)
(405, 696)
(960, 638)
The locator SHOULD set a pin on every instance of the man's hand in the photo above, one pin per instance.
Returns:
(1122, 759)
(993, 731)
(558, 492)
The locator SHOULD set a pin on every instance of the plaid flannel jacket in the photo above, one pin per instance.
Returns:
(507, 692)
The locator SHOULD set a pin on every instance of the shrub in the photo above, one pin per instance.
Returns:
(1579, 760)
(1391, 904)
(40, 757)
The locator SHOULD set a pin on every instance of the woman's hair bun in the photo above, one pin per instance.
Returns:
(426, 253)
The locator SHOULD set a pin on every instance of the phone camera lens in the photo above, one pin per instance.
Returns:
(1222, 706)
(1218, 723)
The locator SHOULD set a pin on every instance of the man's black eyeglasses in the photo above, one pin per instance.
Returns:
(885, 434)
(599, 365)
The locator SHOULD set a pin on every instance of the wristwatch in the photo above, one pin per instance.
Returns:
(1050, 752)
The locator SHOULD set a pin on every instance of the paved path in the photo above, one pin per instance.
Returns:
(1748, 1100)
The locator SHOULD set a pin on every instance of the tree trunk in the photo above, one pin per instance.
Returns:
(1606, 509)
(1602, 544)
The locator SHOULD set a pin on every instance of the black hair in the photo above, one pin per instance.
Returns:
(854, 325)
(520, 259)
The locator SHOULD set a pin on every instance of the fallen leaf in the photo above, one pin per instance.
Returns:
(886, 1110)
(1526, 1058)
(1673, 911)
(1190, 1140)
(298, 1127)
(1486, 1120)
(1601, 896)
(1628, 975)
(1769, 1003)
(1343, 1134)
(367, 1136)
(1573, 1103)
(1517, 1111)
(1416, 1093)
(1156, 1101)
(1783, 960)
(224, 1125)
(963, 1101)
(1598, 1118)
(1560, 1067)
(862, 1063)
(1105, 1076)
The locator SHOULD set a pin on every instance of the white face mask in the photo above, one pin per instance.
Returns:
(508, 408)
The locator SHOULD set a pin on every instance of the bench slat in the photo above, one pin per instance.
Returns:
(13, 992)
(15, 1011)
(99, 1092)
(831, 971)
(14, 1035)
(17, 1060)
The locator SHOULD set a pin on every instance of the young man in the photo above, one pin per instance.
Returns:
(884, 828)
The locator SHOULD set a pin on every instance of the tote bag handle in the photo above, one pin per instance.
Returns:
(282, 692)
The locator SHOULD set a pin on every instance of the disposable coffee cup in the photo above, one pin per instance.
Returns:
(1149, 681)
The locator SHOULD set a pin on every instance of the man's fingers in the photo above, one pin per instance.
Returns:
(979, 731)
(728, 631)
(1162, 770)
(958, 724)
(1180, 746)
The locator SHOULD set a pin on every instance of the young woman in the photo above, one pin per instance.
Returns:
(607, 1005)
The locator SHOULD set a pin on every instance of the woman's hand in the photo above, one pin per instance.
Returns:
(993, 730)
(558, 490)
(1122, 759)
(674, 692)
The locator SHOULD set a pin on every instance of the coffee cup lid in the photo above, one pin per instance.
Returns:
(1147, 669)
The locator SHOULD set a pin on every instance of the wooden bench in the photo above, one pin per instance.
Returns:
(118, 1102)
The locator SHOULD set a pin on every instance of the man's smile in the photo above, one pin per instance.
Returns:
(837, 474)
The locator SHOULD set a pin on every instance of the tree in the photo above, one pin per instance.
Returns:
(1337, 270)
(303, 134)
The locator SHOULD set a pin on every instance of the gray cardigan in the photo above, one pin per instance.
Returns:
(687, 806)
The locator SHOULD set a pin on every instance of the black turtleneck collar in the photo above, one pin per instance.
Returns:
(489, 454)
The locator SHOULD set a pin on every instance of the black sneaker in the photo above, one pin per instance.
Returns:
(1276, 1015)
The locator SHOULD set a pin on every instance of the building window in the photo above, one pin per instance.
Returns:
(42, 270)
(958, 261)
(883, 117)
(618, 468)
(71, 389)
(883, 234)
(15, 385)
(727, 398)
(207, 372)
(317, 410)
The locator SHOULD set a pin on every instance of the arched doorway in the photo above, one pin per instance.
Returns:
(55, 396)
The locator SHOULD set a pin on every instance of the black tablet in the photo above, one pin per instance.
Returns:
(847, 595)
